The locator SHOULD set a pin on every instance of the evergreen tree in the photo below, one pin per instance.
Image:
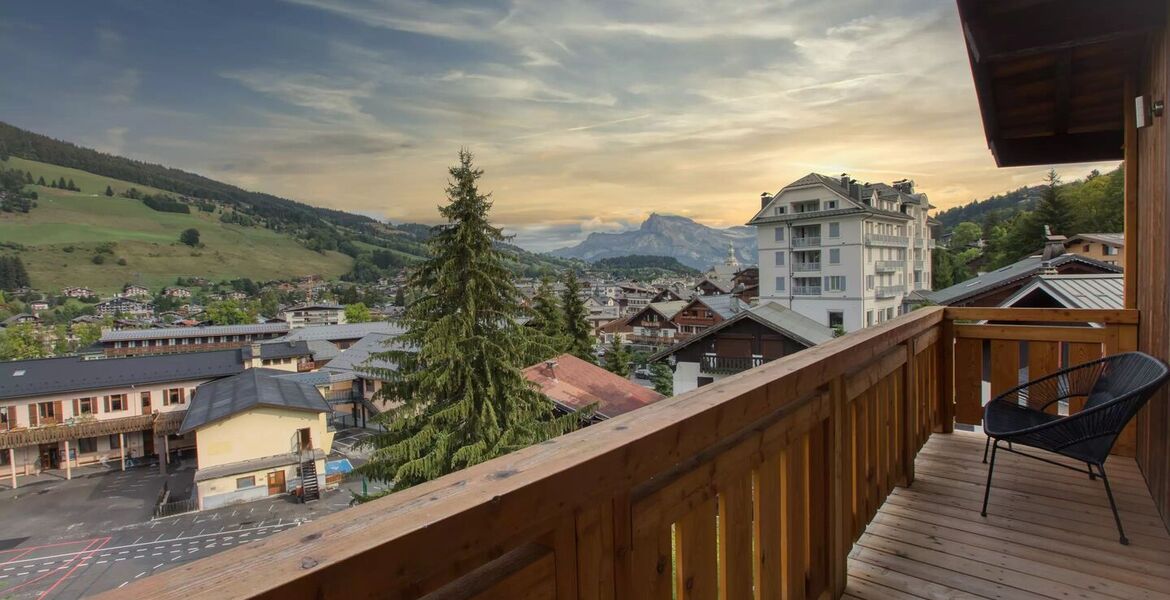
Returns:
(400, 297)
(617, 358)
(662, 378)
(73, 186)
(464, 397)
(62, 184)
(546, 315)
(53, 184)
(580, 335)
(41, 180)
(109, 191)
(1053, 209)
(28, 178)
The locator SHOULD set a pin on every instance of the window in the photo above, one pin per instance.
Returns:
(834, 256)
(87, 445)
(834, 230)
(245, 482)
(779, 234)
(86, 406)
(780, 258)
(830, 204)
(889, 313)
(868, 318)
(45, 410)
(869, 282)
(835, 283)
(115, 441)
(116, 403)
(779, 210)
(836, 319)
(145, 398)
(1085, 249)
(172, 396)
(779, 284)
(1109, 250)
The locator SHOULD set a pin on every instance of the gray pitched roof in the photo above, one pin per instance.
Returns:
(852, 205)
(349, 331)
(279, 350)
(1021, 269)
(169, 332)
(1117, 239)
(1078, 291)
(217, 400)
(357, 359)
(20, 378)
(720, 304)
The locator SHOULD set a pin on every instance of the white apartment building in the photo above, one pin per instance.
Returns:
(841, 253)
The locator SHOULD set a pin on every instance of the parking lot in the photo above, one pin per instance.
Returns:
(69, 539)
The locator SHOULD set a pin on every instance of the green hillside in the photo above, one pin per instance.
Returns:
(65, 230)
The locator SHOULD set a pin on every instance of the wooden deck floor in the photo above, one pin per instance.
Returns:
(1048, 532)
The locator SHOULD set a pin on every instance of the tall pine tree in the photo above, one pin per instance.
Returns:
(618, 357)
(546, 315)
(577, 330)
(458, 376)
(1053, 209)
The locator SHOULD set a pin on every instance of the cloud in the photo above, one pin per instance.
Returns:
(123, 87)
(326, 95)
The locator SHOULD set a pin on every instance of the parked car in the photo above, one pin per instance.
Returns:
(642, 372)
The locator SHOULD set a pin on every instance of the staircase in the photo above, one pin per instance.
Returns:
(309, 487)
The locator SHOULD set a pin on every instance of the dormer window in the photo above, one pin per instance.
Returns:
(830, 204)
(779, 210)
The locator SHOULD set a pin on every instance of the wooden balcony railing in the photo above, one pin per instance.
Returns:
(756, 485)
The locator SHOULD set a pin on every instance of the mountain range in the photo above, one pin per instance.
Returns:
(692, 244)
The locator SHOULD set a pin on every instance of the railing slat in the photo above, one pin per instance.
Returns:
(1005, 366)
(735, 537)
(697, 560)
(969, 381)
(768, 528)
(651, 559)
(794, 508)
(1043, 359)
(595, 549)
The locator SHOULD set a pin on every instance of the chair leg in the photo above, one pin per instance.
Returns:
(1113, 505)
(1092, 475)
(986, 445)
(990, 470)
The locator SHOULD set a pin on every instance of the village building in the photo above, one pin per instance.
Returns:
(176, 292)
(1108, 248)
(77, 292)
(131, 290)
(258, 434)
(1104, 291)
(653, 325)
(303, 315)
(160, 340)
(572, 384)
(841, 253)
(121, 306)
(748, 339)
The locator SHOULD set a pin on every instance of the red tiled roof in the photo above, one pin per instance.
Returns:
(576, 383)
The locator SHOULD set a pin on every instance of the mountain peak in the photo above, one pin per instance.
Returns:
(691, 243)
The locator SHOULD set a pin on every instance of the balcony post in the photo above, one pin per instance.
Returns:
(122, 449)
(909, 412)
(840, 512)
(68, 466)
(946, 376)
(12, 464)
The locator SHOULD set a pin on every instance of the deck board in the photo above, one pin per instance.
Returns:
(1048, 534)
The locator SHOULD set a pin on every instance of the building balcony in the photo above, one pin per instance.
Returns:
(888, 266)
(889, 291)
(806, 242)
(729, 364)
(806, 290)
(653, 340)
(919, 265)
(806, 267)
(792, 480)
(881, 239)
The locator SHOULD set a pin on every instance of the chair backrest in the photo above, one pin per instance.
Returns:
(1124, 384)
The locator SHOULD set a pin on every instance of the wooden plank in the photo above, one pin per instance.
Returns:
(839, 506)
(969, 381)
(768, 528)
(946, 377)
(651, 560)
(527, 572)
(794, 511)
(697, 562)
(1041, 315)
(595, 549)
(1030, 333)
(735, 538)
(1077, 354)
(818, 531)
(909, 415)
(1005, 366)
(1043, 359)
(1130, 196)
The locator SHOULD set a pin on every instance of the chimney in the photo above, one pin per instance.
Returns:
(1053, 244)
(765, 198)
(854, 190)
(551, 365)
(845, 180)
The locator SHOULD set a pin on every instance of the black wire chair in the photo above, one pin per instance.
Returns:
(1114, 388)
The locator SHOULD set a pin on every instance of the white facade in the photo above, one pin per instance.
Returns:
(841, 259)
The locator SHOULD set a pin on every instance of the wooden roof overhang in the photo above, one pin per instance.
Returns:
(1050, 74)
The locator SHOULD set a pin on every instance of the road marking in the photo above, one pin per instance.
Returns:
(270, 507)
(102, 562)
(140, 575)
(138, 540)
(118, 559)
(123, 584)
(158, 565)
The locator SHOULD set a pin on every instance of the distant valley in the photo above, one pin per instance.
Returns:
(692, 244)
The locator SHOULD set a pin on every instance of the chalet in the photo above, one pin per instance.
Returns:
(243, 425)
(653, 325)
(169, 340)
(77, 292)
(704, 312)
(20, 319)
(123, 306)
(573, 384)
(135, 291)
(176, 292)
(38, 306)
(356, 375)
(236, 295)
(747, 339)
(1108, 248)
(668, 295)
(619, 327)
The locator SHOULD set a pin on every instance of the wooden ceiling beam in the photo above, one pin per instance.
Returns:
(998, 30)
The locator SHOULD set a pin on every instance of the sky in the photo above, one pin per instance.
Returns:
(585, 115)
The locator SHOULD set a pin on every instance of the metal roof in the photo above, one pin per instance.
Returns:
(1116, 239)
(272, 350)
(356, 358)
(121, 335)
(1078, 291)
(1004, 275)
(38, 377)
(349, 331)
(254, 388)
